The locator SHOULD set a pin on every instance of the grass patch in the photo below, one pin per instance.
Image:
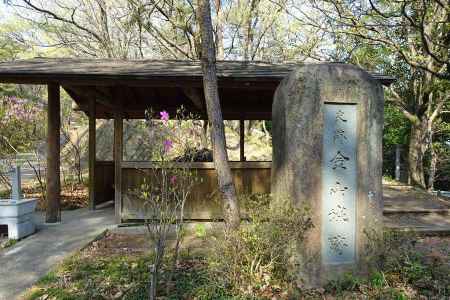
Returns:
(8, 243)
(90, 277)
(117, 267)
(124, 277)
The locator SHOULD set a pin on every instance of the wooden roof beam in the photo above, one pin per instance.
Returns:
(91, 92)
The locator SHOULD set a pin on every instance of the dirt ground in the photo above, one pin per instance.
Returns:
(404, 197)
(125, 244)
(435, 247)
(118, 244)
(72, 196)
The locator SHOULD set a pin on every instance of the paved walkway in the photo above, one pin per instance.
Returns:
(30, 259)
(409, 208)
(404, 198)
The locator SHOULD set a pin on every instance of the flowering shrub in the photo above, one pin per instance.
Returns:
(19, 132)
(166, 188)
(19, 120)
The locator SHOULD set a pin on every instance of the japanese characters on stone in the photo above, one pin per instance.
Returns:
(339, 183)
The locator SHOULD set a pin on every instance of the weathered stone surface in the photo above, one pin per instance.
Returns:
(299, 170)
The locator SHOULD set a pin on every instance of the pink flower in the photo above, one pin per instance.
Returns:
(167, 145)
(164, 116)
(173, 179)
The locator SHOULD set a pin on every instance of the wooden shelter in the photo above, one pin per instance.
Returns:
(118, 89)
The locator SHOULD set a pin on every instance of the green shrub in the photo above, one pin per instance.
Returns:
(255, 259)
(377, 280)
(402, 259)
(399, 265)
(200, 230)
(8, 243)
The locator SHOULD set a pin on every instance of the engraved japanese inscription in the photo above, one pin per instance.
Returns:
(339, 184)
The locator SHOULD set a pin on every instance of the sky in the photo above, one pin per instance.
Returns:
(5, 11)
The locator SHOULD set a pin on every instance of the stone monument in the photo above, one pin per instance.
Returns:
(327, 155)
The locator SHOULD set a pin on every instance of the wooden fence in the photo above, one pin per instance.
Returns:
(204, 204)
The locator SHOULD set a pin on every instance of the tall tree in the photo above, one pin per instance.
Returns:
(208, 59)
(421, 100)
(244, 29)
(93, 28)
(416, 38)
(439, 167)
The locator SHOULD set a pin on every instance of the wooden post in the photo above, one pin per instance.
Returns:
(397, 162)
(118, 154)
(53, 212)
(92, 152)
(241, 141)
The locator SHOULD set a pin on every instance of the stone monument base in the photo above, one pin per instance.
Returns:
(18, 216)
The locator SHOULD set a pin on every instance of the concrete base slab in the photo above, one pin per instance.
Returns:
(18, 231)
(18, 216)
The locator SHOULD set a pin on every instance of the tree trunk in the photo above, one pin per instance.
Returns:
(267, 134)
(417, 147)
(219, 30)
(433, 168)
(433, 161)
(204, 135)
(208, 59)
(250, 124)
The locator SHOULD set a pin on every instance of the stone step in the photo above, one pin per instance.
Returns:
(388, 211)
(426, 230)
(430, 223)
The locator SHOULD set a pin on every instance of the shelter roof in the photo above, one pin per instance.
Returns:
(246, 88)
